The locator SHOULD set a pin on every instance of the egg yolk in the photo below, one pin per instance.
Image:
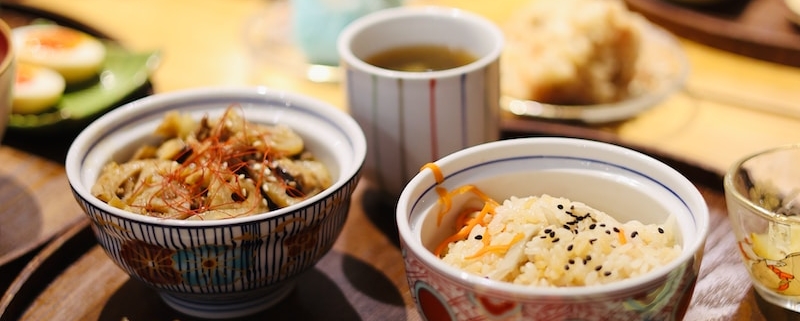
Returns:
(24, 73)
(59, 38)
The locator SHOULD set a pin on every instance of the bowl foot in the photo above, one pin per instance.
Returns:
(228, 307)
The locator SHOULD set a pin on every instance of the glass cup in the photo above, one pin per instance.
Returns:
(317, 24)
(298, 37)
(762, 192)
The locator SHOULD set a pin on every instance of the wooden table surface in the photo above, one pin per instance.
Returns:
(731, 106)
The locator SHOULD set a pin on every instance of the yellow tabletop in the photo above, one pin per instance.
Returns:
(732, 105)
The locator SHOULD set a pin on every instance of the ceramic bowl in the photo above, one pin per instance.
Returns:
(230, 267)
(621, 182)
(761, 191)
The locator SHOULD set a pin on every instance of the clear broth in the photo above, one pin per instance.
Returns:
(421, 58)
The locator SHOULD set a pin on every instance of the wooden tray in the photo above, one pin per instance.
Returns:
(362, 278)
(754, 28)
(73, 279)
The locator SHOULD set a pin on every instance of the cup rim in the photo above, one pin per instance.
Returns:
(730, 188)
(395, 13)
(686, 256)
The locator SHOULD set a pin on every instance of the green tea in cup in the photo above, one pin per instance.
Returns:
(420, 58)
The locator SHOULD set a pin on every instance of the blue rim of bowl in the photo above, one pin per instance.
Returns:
(584, 159)
(224, 95)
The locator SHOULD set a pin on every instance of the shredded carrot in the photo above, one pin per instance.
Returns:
(446, 199)
(437, 172)
(466, 216)
(500, 249)
(622, 239)
(444, 204)
(463, 233)
(465, 220)
(474, 190)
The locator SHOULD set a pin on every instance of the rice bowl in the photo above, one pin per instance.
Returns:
(621, 182)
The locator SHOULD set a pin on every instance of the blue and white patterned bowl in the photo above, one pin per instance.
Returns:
(619, 181)
(220, 268)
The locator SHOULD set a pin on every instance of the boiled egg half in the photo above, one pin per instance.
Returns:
(75, 55)
(36, 88)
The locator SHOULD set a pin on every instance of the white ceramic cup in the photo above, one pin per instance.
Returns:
(412, 118)
(7, 75)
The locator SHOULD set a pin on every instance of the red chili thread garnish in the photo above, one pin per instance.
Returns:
(229, 158)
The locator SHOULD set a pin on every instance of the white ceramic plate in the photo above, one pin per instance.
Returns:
(662, 72)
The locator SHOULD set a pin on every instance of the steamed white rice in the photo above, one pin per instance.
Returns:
(554, 242)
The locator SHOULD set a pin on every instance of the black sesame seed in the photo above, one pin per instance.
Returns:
(616, 230)
(566, 227)
(568, 212)
(598, 268)
(478, 237)
(571, 261)
(543, 237)
(556, 240)
(588, 258)
(591, 227)
(602, 224)
(585, 261)
(566, 267)
(569, 247)
(633, 235)
(561, 207)
(608, 232)
(661, 230)
(552, 233)
(592, 241)
(607, 273)
(547, 231)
